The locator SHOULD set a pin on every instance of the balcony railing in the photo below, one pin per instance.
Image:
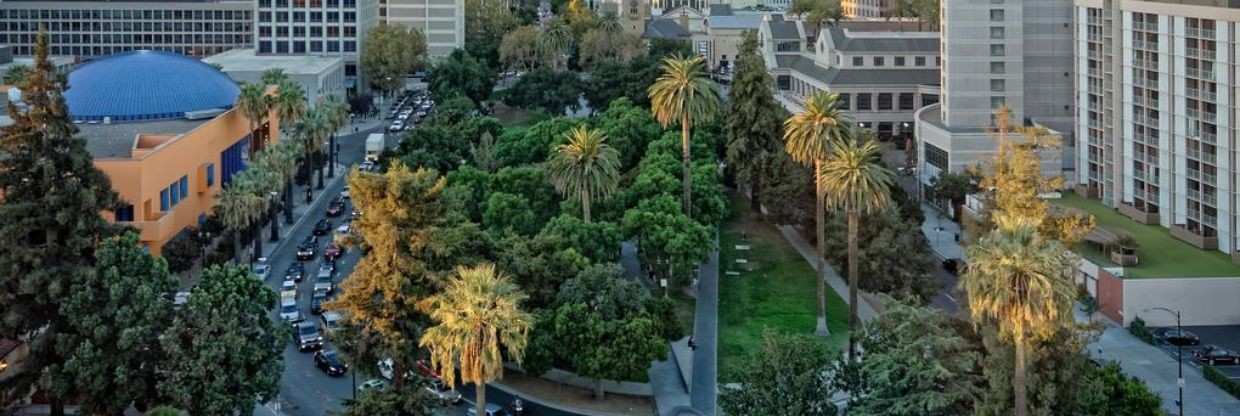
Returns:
(1210, 138)
(1202, 115)
(1198, 53)
(1201, 94)
(1201, 73)
(1193, 174)
(1199, 33)
(1140, 44)
(1148, 27)
(1194, 194)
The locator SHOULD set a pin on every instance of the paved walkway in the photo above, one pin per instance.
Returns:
(703, 390)
(865, 311)
(1138, 359)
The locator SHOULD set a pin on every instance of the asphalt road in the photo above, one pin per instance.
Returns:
(304, 390)
(1226, 336)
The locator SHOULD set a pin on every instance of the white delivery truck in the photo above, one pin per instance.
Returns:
(375, 144)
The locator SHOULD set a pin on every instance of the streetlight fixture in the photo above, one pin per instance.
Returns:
(1179, 353)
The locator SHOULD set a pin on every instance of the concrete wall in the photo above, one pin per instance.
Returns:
(1202, 301)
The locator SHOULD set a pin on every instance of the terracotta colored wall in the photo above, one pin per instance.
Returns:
(1110, 295)
(139, 181)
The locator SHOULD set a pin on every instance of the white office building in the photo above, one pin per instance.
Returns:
(441, 21)
(996, 53)
(1155, 118)
(99, 28)
(315, 27)
(319, 76)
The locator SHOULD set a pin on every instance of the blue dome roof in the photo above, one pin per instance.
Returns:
(146, 85)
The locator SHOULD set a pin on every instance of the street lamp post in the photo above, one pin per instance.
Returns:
(1179, 353)
(274, 215)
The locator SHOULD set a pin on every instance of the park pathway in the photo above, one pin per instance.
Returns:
(704, 388)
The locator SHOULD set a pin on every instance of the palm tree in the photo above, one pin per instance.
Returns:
(310, 132)
(610, 23)
(586, 166)
(555, 41)
(284, 161)
(254, 103)
(808, 137)
(477, 313)
(1016, 278)
(238, 208)
(337, 114)
(684, 93)
(274, 76)
(289, 102)
(855, 180)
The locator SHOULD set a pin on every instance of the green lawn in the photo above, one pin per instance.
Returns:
(1160, 254)
(514, 117)
(777, 294)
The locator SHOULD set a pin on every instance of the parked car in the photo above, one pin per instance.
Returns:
(1176, 337)
(492, 409)
(288, 310)
(1215, 355)
(372, 384)
(332, 252)
(306, 337)
(331, 321)
(368, 166)
(180, 298)
(345, 193)
(262, 269)
(295, 272)
(442, 392)
(335, 209)
(289, 286)
(317, 300)
(330, 363)
(343, 230)
(329, 266)
(396, 126)
(312, 240)
(322, 227)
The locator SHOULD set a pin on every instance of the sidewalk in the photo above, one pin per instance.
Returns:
(941, 232)
(1158, 370)
(865, 311)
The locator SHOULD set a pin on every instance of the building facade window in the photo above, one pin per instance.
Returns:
(885, 102)
(998, 68)
(899, 61)
(996, 15)
(844, 101)
(858, 61)
(936, 157)
(125, 213)
(997, 101)
(997, 32)
(210, 174)
(998, 85)
(879, 61)
(919, 61)
(998, 49)
(907, 101)
(863, 102)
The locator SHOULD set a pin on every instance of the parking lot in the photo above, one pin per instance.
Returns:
(1225, 336)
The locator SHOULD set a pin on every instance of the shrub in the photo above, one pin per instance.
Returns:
(182, 250)
(1221, 380)
(1139, 330)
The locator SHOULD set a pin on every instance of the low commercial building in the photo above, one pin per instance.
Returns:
(100, 28)
(881, 76)
(319, 76)
(164, 129)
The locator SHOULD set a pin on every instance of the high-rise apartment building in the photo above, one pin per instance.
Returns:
(441, 21)
(1155, 118)
(999, 53)
(315, 27)
(98, 28)
(865, 8)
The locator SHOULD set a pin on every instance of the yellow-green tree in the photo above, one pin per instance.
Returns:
(585, 167)
(808, 138)
(478, 315)
(683, 93)
(855, 181)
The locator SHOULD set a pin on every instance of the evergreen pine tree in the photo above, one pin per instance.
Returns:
(755, 121)
(52, 197)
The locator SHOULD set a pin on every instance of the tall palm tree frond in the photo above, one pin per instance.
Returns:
(683, 88)
(809, 135)
(586, 166)
(854, 178)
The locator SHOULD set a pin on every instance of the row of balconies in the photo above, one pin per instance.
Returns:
(1201, 94)
(1199, 33)
(1200, 73)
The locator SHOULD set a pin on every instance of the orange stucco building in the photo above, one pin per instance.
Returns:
(163, 128)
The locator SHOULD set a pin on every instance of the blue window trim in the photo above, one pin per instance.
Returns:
(184, 187)
(163, 200)
(210, 174)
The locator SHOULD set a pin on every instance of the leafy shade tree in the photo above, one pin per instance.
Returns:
(389, 52)
(787, 376)
(540, 265)
(519, 48)
(620, 349)
(505, 212)
(892, 254)
(817, 12)
(808, 138)
(628, 128)
(403, 229)
(518, 147)
(461, 74)
(119, 312)
(601, 45)
(597, 241)
(228, 351)
(255, 104)
(754, 124)
(53, 197)
(164, 411)
(433, 146)
(16, 74)
(665, 233)
(585, 167)
(412, 399)
(552, 91)
(954, 187)
(684, 94)
(611, 80)
(1016, 280)
(478, 313)
(918, 362)
(855, 181)
(486, 23)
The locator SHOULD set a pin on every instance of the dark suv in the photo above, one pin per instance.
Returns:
(322, 227)
(306, 336)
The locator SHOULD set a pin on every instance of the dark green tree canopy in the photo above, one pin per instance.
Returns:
(461, 74)
(228, 351)
(389, 52)
(551, 91)
(788, 376)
